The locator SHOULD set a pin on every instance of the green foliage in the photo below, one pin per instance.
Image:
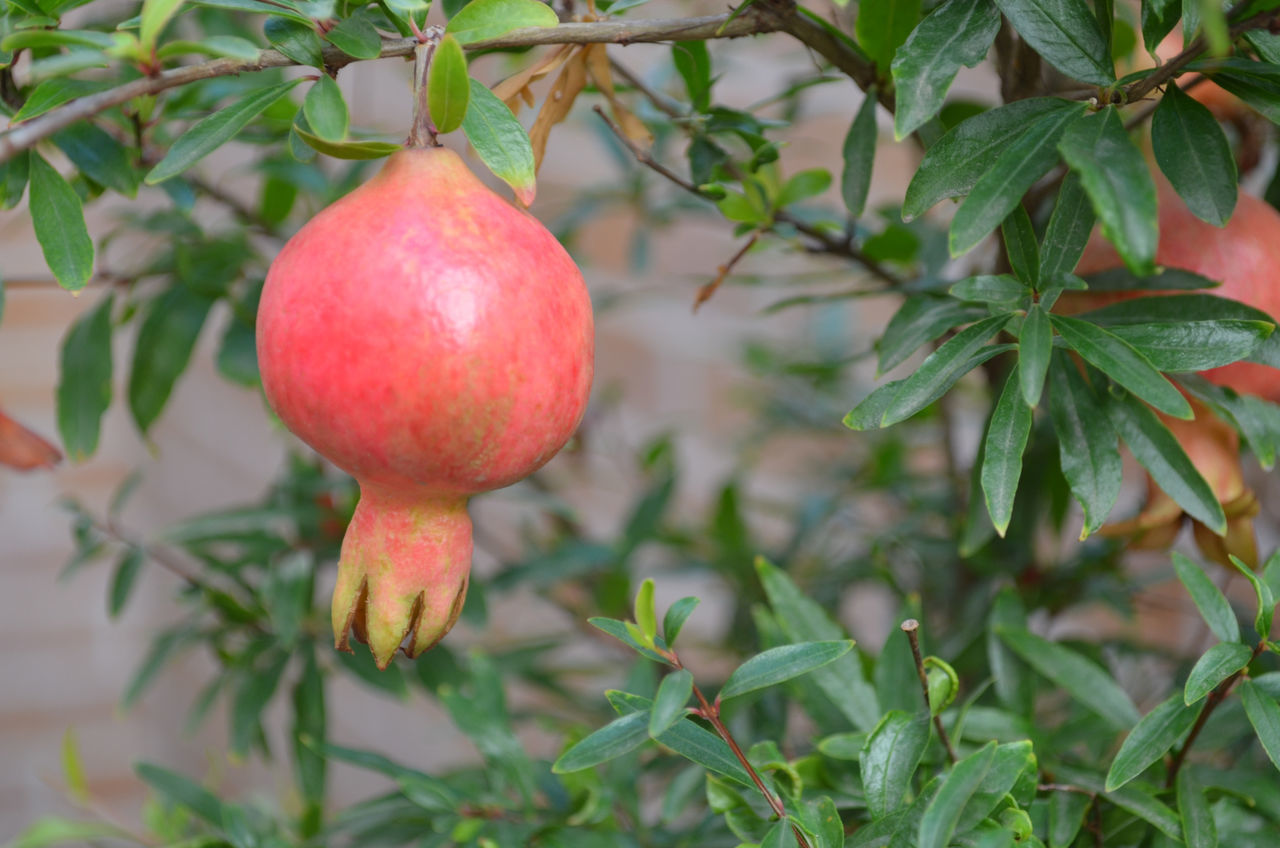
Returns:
(984, 732)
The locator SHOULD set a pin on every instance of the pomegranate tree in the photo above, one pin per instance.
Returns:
(433, 341)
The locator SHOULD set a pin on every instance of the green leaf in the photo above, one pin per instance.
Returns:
(212, 132)
(53, 93)
(1115, 176)
(99, 157)
(688, 740)
(183, 792)
(165, 342)
(84, 383)
(945, 363)
(251, 698)
(1266, 598)
(1158, 451)
(356, 37)
(859, 153)
(668, 705)
(803, 620)
(296, 40)
(646, 615)
(1216, 665)
(156, 15)
(620, 736)
(13, 179)
(693, 62)
(883, 25)
(1118, 360)
(499, 139)
(28, 38)
(1257, 420)
(448, 87)
(1066, 817)
(1264, 715)
(955, 163)
(943, 813)
(1002, 458)
(1020, 246)
(620, 631)
(919, 320)
(214, 45)
(957, 32)
(869, 413)
(347, 149)
(1083, 680)
(1013, 682)
(482, 19)
(802, 186)
(1194, 154)
(1018, 166)
(58, 219)
(1068, 230)
(1157, 732)
(1035, 346)
(1198, 829)
(286, 594)
(776, 665)
(310, 730)
(1208, 598)
(1195, 345)
(73, 768)
(123, 580)
(1066, 34)
(325, 110)
(677, 614)
(890, 757)
(1001, 289)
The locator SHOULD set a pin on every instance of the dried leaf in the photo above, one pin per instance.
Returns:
(631, 126)
(22, 449)
(516, 87)
(570, 82)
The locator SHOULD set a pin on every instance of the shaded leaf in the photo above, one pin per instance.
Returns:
(1157, 732)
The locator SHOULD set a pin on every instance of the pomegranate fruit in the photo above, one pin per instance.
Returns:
(1245, 257)
(434, 342)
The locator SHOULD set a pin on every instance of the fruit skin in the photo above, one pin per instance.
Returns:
(1244, 255)
(434, 342)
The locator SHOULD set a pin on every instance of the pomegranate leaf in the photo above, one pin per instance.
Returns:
(1117, 180)
(58, 218)
(501, 142)
(859, 153)
(483, 19)
(1065, 33)
(1158, 451)
(1157, 732)
(1194, 154)
(1086, 443)
(448, 88)
(882, 26)
(956, 33)
(165, 342)
(325, 109)
(357, 37)
(212, 132)
(84, 385)
(346, 149)
(1002, 458)
(1121, 362)
(1018, 166)
(1068, 230)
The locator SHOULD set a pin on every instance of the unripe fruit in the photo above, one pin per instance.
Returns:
(434, 342)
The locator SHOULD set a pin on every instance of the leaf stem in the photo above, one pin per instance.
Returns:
(711, 712)
(423, 132)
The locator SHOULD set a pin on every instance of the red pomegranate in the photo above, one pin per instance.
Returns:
(434, 342)
(1244, 256)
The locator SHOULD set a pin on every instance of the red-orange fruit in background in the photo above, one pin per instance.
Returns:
(1244, 256)
(434, 342)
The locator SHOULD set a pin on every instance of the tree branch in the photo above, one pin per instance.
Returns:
(751, 22)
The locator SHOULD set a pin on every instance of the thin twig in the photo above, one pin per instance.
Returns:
(823, 242)
(722, 273)
(29, 133)
(711, 712)
(912, 628)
